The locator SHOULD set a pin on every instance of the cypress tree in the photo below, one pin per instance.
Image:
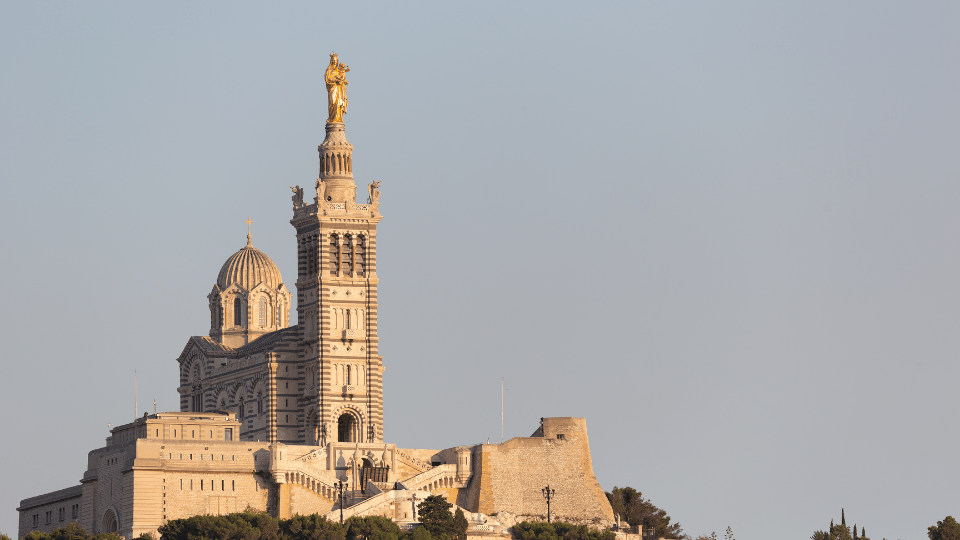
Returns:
(854, 531)
(843, 518)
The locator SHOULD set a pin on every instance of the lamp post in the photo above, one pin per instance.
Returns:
(341, 486)
(548, 494)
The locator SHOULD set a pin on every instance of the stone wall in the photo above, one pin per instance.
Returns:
(46, 513)
(509, 477)
(146, 482)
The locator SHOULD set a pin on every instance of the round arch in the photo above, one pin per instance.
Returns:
(349, 425)
(109, 522)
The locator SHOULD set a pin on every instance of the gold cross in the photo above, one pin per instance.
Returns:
(248, 222)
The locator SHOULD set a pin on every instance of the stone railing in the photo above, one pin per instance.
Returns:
(309, 457)
(441, 476)
(312, 478)
(414, 462)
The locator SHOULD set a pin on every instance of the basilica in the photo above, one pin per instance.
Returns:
(289, 419)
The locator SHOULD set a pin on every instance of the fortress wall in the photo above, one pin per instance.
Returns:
(509, 477)
(171, 481)
(51, 502)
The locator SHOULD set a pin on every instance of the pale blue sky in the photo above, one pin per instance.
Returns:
(724, 233)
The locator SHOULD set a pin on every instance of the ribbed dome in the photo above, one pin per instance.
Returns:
(248, 268)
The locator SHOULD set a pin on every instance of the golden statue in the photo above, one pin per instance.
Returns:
(336, 79)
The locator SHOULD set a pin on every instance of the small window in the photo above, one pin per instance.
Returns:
(560, 436)
(201, 457)
(237, 312)
(222, 484)
(158, 432)
(36, 520)
(233, 458)
(193, 433)
(228, 434)
(233, 485)
(211, 434)
(262, 315)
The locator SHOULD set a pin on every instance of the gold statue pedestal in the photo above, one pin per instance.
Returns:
(336, 165)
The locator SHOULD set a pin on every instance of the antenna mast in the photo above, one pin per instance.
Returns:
(501, 409)
(136, 406)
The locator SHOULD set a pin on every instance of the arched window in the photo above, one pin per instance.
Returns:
(259, 404)
(263, 311)
(237, 312)
(240, 411)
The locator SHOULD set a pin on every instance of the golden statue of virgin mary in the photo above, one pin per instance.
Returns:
(336, 79)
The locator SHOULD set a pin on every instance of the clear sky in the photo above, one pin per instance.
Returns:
(724, 233)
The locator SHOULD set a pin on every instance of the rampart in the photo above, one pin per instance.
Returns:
(509, 477)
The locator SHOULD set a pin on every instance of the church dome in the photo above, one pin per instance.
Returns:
(248, 268)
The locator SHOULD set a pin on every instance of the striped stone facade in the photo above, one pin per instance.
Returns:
(272, 417)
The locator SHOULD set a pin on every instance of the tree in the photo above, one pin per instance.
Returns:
(72, 531)
(836, 532)
(948, 529)
(312, 527)
(630, 504)
(372, 528)
(729, 534)
(435, 517)
(538, 530)
(461, 524)
(241, 526)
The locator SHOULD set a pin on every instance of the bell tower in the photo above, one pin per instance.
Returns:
(342, 370)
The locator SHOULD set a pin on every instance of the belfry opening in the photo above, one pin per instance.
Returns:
(347, 428)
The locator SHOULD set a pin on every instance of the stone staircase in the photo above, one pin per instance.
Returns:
(440, 476)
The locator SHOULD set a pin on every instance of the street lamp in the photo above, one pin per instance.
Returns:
(341, 486)
(548, 494)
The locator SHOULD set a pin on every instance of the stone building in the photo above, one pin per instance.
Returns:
(273, 416)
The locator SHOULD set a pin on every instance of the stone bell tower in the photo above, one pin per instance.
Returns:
(342, 371)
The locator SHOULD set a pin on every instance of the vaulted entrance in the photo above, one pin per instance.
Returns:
(347, 428)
